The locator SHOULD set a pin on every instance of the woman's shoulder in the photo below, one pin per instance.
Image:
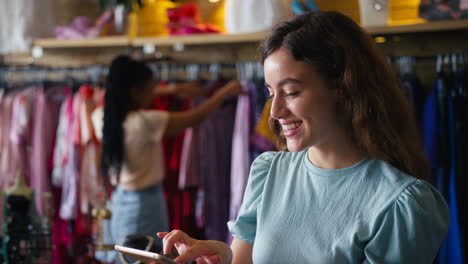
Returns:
(395, 189)
(383, 175)
(266, 159)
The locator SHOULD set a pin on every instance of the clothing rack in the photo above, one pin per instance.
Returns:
(11, 77)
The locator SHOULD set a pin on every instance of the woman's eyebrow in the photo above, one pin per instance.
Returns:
(284, 82)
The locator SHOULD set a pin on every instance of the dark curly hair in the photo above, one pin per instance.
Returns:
(124, 74)
(372, 106)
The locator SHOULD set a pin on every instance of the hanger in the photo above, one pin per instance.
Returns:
(240, 71)
(192, 71)
(214, 69)
(439, 64)
(20, 188)
(454, 62)
(165, 72)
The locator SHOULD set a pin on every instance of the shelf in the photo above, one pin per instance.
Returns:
(117, 41)
(200, 39)
(215, 39)
(432, 26)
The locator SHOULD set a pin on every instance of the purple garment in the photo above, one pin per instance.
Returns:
(44, 127)
(215, 166)
(240, 161)
(81, 27)
(69, 202)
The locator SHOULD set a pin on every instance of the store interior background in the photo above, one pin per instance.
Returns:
(419, 48)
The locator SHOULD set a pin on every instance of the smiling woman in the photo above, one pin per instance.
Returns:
(366, 99)
(303, 106)
(348, 186)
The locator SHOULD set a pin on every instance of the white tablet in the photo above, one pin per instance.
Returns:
(144, 256)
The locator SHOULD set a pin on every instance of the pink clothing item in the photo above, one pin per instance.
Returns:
(92, 189)
(6, 149)
(45, 124)
(81, 27)
(20, 132)
(6, 153)
(4, 120)
(240, 159)
(60, 150)
(189, 171)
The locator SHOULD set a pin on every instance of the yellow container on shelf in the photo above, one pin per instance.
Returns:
(404, 12)
(212, 11)
(349, 8)
(401, 12)
(152, 17)
(132, 25)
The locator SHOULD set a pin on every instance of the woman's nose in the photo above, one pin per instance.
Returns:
(277, 109)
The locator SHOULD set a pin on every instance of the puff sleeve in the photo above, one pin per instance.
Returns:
(412, 229)
(244, 228)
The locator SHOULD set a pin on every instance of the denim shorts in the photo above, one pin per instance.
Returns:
(134, 212)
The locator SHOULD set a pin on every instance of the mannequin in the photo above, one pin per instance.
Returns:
(17, 222)
(20, 188)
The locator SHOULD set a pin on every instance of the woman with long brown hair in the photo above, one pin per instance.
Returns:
(348, 185)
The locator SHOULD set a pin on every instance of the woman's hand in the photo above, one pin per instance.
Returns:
(203, 251)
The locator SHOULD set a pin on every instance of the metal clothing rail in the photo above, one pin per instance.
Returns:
(9, 76)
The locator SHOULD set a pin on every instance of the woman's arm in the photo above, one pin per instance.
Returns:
(241, 252)
(178, 121)
(186, 90)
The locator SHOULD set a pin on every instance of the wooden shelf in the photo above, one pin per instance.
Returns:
(215, 39)
(200, 39)
(433, 26)
(117, 41)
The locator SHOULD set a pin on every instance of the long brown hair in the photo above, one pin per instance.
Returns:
(372, 108)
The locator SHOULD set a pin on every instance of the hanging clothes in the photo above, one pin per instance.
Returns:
(179, 203)
(439, 134)
(45, 124)
(415, 94)
(91, 187)
(189, 173)
(216, 166)
(6, 155)
(69, 204)
(461, 109)
(240, 159)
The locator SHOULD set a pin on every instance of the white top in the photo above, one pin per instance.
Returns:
(143, 164)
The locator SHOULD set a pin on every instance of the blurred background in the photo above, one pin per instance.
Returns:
(54, 51)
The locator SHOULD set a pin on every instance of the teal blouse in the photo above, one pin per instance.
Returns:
(294, 212)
